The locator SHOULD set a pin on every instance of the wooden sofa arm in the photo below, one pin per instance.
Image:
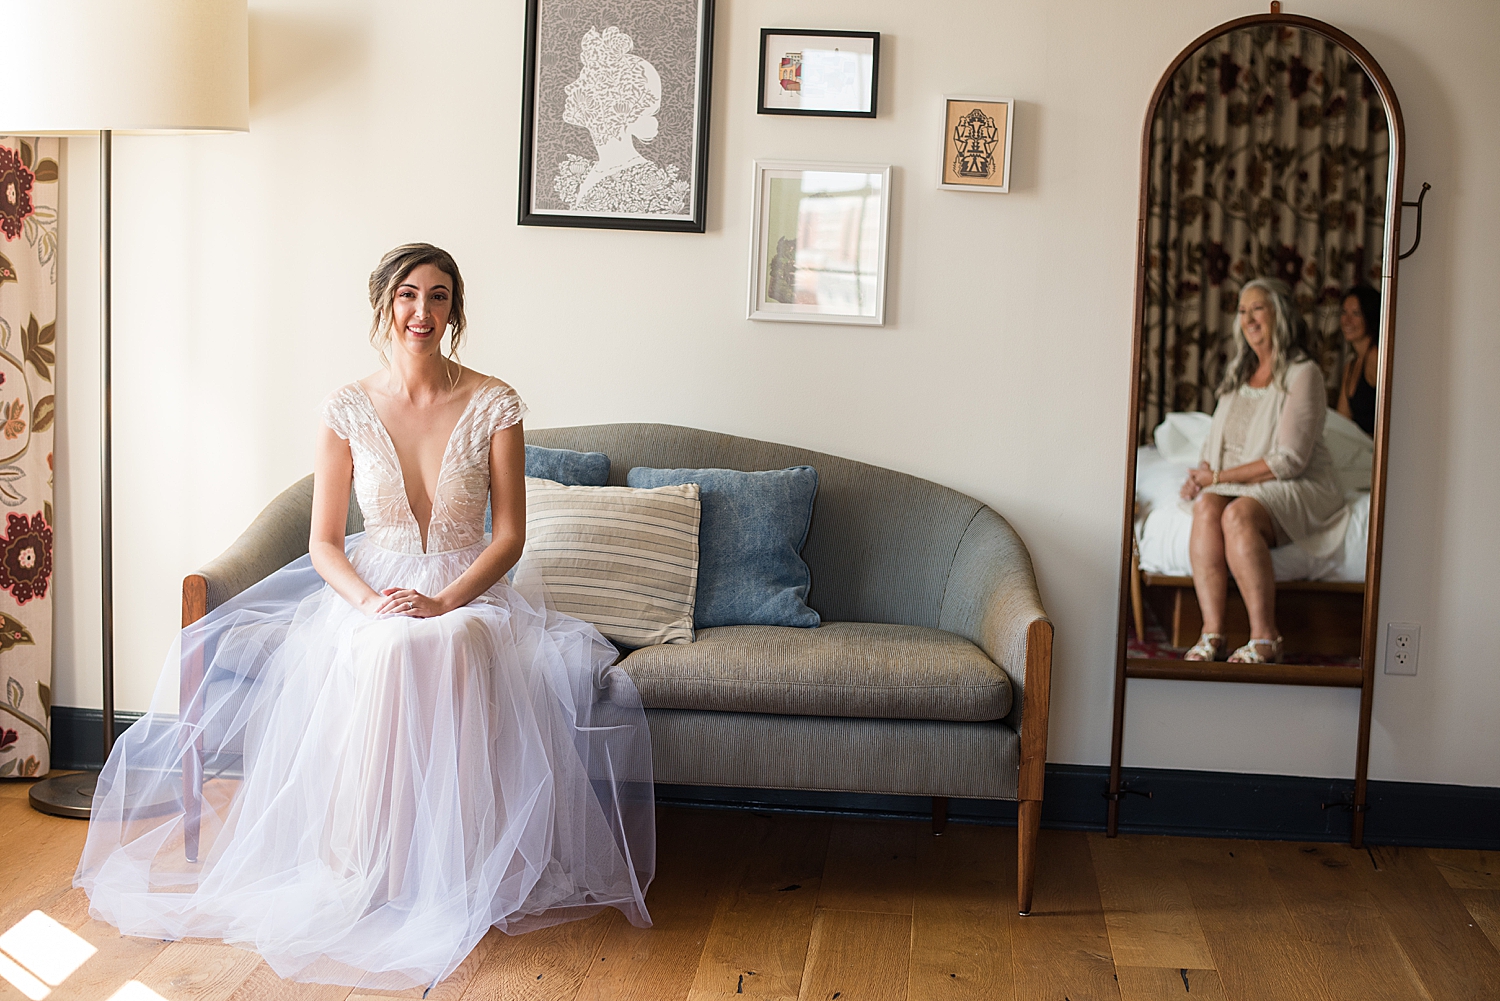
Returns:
(992, 600)
(276, 537)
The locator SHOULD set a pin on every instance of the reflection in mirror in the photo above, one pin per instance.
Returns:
(823, 241)
(1266, 210)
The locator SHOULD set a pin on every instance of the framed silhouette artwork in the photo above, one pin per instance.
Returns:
(614, 114)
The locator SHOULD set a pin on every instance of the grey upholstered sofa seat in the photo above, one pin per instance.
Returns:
(929, 676)
(864, 669)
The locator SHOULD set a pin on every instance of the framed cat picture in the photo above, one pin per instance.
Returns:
(614, 114)
(818, 251)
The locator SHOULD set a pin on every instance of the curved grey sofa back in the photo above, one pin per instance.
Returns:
(881, 546)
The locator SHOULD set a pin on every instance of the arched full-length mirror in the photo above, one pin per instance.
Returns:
(1266, 278)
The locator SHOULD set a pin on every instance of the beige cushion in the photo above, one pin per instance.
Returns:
(625, 560)
(838, 669)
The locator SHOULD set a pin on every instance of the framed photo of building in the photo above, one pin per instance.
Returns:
(819, 247)
(976, 144)
(614, 114)
(828, 73)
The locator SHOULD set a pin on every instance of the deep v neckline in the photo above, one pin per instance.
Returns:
(422, 536)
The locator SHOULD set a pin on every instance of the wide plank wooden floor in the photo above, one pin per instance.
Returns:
(794, 908)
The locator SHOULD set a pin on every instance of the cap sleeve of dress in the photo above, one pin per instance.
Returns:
(502, 408)
(338, 412)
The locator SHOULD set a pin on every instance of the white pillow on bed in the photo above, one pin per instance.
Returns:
(1353, 452)
(1180, 437)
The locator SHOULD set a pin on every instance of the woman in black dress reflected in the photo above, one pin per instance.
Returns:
(1360, 322)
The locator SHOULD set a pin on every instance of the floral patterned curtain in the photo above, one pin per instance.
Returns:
(1269, 154)
(28, 309)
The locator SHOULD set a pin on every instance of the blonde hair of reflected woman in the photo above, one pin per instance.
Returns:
(1286, 338)
(387, 277)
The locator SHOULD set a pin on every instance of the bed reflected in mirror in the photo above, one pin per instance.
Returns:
(1269, 165)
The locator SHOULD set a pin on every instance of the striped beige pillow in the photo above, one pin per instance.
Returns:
(623, 559)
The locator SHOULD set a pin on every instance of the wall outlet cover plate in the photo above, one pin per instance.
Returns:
(1402, 640)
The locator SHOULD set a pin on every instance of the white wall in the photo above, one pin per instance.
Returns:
(241, 264)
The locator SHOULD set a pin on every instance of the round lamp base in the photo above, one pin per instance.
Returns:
(70, 795)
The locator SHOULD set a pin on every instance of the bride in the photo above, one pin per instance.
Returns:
(401, 748)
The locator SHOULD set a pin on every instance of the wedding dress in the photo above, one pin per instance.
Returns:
(380, 790)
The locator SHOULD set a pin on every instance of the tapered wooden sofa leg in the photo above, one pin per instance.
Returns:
(194, 607)
(939, 814)
(1028, 824)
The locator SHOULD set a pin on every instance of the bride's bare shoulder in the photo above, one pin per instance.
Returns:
(374, 382)
(478, 381)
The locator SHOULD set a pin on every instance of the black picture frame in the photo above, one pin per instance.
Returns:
(532, 181)
(760, 94)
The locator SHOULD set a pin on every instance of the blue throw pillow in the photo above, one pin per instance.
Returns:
(750, 571)
(571, 469)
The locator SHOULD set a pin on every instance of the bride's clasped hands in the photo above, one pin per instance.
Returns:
(406, 601)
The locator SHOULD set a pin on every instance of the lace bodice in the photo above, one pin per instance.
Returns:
(463, 488)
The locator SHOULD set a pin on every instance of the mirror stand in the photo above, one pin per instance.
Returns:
(1345, 610)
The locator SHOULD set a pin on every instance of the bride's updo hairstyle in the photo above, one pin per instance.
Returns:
(393, 269)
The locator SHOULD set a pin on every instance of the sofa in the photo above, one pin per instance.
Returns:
(929, 675)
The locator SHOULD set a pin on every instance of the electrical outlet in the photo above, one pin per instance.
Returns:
(1401, 642)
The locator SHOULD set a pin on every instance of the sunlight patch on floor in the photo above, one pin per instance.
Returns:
(37, 953)
(21, 980)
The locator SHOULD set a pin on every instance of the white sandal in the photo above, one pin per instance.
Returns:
(1251, 653)
(1210, 646)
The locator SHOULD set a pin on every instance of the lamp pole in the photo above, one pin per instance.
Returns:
(106, 472)
(72, 795)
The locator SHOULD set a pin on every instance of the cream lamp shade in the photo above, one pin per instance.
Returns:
(78, 67)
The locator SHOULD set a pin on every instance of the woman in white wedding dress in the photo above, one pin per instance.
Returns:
(402, 749)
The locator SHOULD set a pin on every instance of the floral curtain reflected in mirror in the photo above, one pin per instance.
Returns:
(1269, 157)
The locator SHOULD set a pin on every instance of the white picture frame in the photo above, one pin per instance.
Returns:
(804, 267)
(966, 150)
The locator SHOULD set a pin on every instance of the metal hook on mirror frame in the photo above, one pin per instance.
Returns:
(1418, 205)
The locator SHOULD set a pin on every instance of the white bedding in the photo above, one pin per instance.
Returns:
(1163, 521)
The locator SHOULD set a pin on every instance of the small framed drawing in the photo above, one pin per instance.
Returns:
(829, 73)
(818, 253)
(976, 144)
(614, 114)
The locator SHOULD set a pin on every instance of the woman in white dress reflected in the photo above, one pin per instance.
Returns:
(402, 748)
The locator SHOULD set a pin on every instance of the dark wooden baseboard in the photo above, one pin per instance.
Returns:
(1158, 801)
(78, 736)
(1199, 804)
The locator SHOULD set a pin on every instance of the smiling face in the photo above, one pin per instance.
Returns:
(1257, 319)
(1352, 321)
(420, 309)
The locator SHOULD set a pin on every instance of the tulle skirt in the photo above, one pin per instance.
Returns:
(377, 792)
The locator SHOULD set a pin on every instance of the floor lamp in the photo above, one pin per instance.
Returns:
(134, 67)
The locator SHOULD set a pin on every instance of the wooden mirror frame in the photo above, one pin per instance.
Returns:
(1362, 677)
